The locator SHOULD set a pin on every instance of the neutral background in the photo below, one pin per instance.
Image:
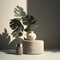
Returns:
(47, 28)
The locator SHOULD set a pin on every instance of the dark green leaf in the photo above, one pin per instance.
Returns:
(20, 33)
(33, 22)
(26, 20)
(31, 18)
(19, 8)
(27, 29)
(22, 27)
(17, 27)
(15, 24)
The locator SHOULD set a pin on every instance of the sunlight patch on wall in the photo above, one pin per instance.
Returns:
(7, 13)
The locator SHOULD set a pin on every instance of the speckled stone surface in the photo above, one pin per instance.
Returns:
(33, 47)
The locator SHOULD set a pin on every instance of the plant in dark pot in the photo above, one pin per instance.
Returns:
(22, 23)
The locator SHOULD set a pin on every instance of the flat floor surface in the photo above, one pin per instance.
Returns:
(48, 55)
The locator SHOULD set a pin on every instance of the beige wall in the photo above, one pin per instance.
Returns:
(7, 13)
(47, 28)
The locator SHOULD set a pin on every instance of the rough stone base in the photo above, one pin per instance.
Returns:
(33, 47)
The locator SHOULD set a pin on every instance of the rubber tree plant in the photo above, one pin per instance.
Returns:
(21, 19)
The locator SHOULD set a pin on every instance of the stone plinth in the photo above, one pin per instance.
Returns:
(33, 47)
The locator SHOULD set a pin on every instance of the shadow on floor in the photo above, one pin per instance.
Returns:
(9, 51)
(53, 50)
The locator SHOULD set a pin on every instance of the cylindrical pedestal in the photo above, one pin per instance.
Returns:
(19, 49)
(33, 47)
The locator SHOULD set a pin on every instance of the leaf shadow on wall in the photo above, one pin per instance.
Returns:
(12, 45)
(5, 41)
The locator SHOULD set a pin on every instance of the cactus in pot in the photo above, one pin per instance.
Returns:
(21, 20)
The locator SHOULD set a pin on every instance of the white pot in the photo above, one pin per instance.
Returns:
(31, 36)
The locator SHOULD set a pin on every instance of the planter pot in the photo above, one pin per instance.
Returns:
(19, 49)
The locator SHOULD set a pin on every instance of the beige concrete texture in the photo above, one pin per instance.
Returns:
(33, 47)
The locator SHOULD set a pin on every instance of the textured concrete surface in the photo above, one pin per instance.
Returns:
(48, 55)
(33, 47)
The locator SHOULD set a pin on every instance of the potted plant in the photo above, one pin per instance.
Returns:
(22, 23)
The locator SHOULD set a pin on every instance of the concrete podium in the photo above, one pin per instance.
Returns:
(33, 47)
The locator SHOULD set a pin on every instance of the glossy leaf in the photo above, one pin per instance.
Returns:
(29, 20)
(20, 34)
(16, 25)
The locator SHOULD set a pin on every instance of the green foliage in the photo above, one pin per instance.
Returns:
(17, 24)
(28, 20)
(19, 12)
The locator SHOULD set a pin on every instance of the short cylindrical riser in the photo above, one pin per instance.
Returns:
(19, 49)
(33, 47)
